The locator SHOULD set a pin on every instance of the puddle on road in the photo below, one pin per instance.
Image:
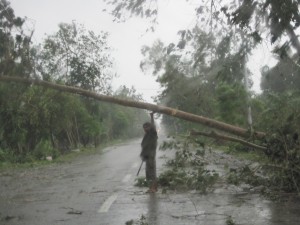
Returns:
(217, 209)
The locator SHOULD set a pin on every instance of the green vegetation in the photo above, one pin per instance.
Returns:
(141, 221)
(31, 161)
(186, 171)
(141, 182)
(229, 221)
(213, 80)
(36, 123)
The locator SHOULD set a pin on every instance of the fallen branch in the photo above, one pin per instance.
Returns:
(213, 134)
(142, 105)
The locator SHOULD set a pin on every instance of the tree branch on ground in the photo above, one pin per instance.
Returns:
(215, 135)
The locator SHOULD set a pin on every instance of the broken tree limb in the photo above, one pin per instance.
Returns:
(215, 135)
(142, 105)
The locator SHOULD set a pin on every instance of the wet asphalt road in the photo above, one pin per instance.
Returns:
(99, 190)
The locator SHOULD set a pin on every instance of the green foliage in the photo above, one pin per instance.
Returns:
(203, 78)
(246, 175)
(283, 77)
(141, 182)
(76, 57)
(231, 68)
(44, 149)
(277, 16)
(281, 113)
(187, 170)
(231, 103)
(37, 122)
(203, 74)
(62, 121)
(6, 155)
(15, 57)
(141, 221)
(278, 114)
(230, 221)
(179, 179)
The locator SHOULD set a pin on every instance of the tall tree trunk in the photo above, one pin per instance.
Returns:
(77, 132)
(249, 113)
(142, 105)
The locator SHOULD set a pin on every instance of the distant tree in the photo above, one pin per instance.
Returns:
(77, 57)
(15, 60)
(15, 57)
(183, 79)
(205, 76)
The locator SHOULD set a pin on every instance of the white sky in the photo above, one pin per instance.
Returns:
(125, 38)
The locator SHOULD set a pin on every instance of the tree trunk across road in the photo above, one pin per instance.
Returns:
(142, 105)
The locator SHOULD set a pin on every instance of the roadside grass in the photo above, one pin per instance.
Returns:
(31, 162)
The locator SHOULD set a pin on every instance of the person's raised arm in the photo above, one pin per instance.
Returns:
(152, 119)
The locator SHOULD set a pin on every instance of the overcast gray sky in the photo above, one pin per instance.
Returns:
(125, 38)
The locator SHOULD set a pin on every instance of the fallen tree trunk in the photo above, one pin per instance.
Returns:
(142, 105)
(215, 135)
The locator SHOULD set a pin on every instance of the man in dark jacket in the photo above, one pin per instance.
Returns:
(148, 153)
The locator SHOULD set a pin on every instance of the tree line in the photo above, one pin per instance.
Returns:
(35, 121)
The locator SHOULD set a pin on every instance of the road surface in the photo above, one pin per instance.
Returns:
(99, 189)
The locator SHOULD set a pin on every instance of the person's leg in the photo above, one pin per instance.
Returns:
(151, 169)
(148, 169)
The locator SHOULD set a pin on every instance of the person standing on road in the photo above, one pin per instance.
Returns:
(148, 153)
